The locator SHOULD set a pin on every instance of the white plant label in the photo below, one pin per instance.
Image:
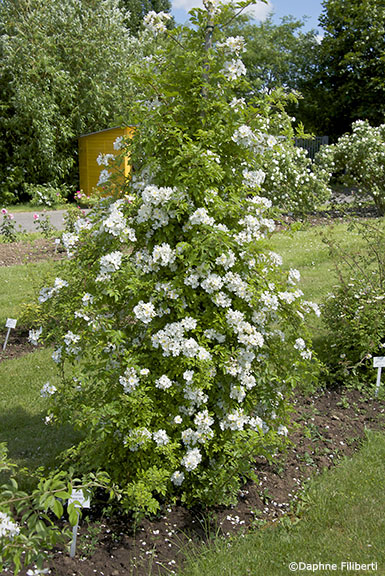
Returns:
(10, 323)
(378, 362)
(80, 499)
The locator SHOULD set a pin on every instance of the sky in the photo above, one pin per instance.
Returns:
(296, 8)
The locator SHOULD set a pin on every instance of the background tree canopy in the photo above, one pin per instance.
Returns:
(348, 81)
(278, 55)
(64, 73)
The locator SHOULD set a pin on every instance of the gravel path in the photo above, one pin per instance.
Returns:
(27, 223)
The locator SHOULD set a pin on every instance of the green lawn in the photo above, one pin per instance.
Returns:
(305, 250)
(20, 285)
(343, 521)
(27, 207)
(31, 442)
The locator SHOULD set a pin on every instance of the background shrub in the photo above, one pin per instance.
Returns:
(354, 313)
(358, 160)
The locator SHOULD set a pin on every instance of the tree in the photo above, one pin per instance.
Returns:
(350, 81)
(278, 55)
(63, 74)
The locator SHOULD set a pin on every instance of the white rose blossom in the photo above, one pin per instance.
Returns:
(145, 312)
(8, 528)
(156, 22)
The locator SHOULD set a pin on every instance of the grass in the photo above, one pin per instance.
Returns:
(20, 285)
(30, 441)
(343, 521)
(27, 207)
(303, 248)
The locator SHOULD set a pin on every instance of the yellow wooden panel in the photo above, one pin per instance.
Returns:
(90, 146)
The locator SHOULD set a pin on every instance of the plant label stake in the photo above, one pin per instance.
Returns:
(378, 362)
(10, 323)
(80, 500)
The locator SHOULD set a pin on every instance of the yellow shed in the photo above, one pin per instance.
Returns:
(90, 146)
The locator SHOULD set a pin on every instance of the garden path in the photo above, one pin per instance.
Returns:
(27, 223)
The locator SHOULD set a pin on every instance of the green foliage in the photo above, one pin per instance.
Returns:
(349, 81)
(278, 55)
(358, 160)
(355, 312)
(82, 200)
(48, 196)
(64, 74)
(186, 336)
(28, 521)
(137, 9)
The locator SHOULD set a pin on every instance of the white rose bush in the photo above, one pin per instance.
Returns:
(354, 313)
(358, 160)
(178, 336)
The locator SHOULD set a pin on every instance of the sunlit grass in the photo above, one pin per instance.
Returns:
(20, 285)
(27, 207)
(304, 248)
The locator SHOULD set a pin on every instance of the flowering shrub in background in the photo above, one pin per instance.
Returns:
(82, 200)
(358, 160)
(293, 182)
(354, 313)
(186, 336)
(46, 195)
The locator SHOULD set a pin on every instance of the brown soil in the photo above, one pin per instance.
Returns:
(17, 344)
(325, 427)
(22, 252)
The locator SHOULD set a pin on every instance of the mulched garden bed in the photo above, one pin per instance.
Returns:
(325, 427)
(17, 344)
(16, 253)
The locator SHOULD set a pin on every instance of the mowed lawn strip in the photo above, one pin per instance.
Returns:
(343, 520)
(20, 284)
(31, 442)
(303, 248)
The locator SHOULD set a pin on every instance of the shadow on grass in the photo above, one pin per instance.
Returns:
(31, 442)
